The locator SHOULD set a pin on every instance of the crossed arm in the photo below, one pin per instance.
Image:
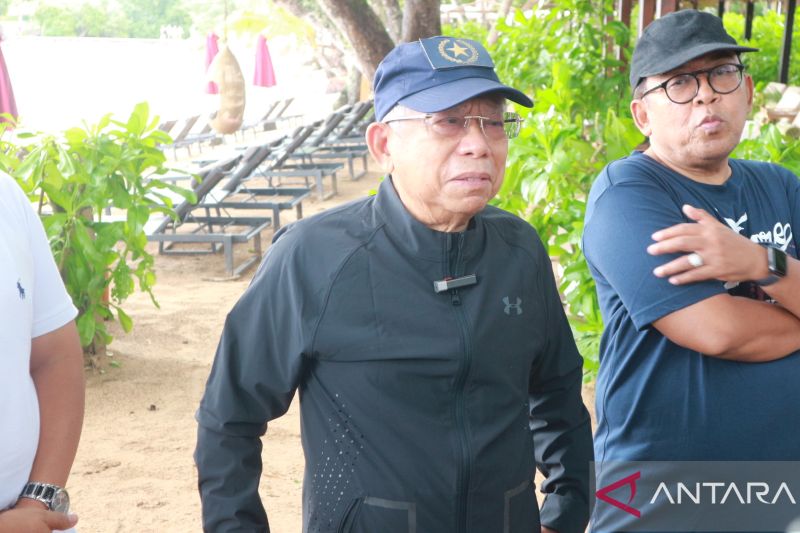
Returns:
(735, 328)
(57, 372)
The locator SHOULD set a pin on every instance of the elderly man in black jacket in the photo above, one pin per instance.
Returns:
(422, 329)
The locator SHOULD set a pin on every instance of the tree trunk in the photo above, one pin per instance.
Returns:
(421, 19)
(364, 30)
(392, 17)
(353, 85)
(501, 15)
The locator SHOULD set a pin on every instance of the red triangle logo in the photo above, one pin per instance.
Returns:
(603, 494)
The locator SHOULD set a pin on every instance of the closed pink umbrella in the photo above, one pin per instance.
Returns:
(264, 75)
(7, 102)
(211, 51)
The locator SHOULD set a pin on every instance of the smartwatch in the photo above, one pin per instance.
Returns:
(54, 497)
(776, 262)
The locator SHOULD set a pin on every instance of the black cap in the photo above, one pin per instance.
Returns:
(676, 39)
(437, 73)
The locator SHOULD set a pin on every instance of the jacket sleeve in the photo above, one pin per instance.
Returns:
(559, 420)
(256, 370)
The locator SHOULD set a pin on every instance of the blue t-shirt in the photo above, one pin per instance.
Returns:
(657, 400)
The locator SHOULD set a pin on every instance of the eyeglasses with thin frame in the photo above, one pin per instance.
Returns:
(455, 126)
(682, 88)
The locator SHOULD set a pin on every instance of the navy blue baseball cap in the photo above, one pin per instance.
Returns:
(677, 38)
(435, 74)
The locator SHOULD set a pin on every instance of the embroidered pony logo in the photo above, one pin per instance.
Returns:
(21, 290)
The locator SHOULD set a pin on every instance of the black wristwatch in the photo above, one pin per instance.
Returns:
(776, 262)
(54, 497)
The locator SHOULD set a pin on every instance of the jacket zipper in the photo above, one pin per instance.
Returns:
(462, 504)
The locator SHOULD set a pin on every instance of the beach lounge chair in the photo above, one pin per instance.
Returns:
(167, 125)
(280, 115)
(352, 124)
(206, 135)
(342, 142)
(257, 124)
(279, 169)
(274, 199)
(237, 192)
(186, 127)
(355, 135)
(194, 226)
(325, 129)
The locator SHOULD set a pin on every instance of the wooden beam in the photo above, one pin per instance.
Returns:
(624, 8)
(748, 20)
(669, 6)
(647, 12)
(786, 47)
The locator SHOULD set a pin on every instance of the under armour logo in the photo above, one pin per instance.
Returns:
(736, 225)
(21, 290)
(509, 306)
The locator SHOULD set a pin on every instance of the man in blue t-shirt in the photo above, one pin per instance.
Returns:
(695, 259)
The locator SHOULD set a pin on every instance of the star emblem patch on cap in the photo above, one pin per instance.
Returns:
(447, 53)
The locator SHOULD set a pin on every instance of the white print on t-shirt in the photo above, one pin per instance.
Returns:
(781, 234)
(736, 226)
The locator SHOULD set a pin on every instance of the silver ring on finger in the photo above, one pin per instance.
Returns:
(695, 260)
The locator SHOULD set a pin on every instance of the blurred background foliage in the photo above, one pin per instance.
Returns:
(767, 36)
(121, 18)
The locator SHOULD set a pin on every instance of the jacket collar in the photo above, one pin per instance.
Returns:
(419, 239)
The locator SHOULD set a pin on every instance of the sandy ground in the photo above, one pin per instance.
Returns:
(134, 471)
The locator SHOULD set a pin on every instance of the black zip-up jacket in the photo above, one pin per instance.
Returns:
(421, 412)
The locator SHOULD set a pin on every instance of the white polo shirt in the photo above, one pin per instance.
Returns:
(33, 301)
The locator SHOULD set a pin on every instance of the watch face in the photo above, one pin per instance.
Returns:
(777, 262)
(60, 503)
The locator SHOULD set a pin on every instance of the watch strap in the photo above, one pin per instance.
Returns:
(43, 492)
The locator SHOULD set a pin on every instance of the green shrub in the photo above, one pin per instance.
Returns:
(75, 178)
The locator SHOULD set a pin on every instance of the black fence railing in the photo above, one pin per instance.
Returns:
(651, 9)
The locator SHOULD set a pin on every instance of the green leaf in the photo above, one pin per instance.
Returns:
(86, 328)
(65, 164)
(76, 136)
(138, 119)
(58, 196)
(104, 122)
(125, 321)
(187, 194)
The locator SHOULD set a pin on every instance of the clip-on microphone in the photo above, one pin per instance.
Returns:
(454, 283)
